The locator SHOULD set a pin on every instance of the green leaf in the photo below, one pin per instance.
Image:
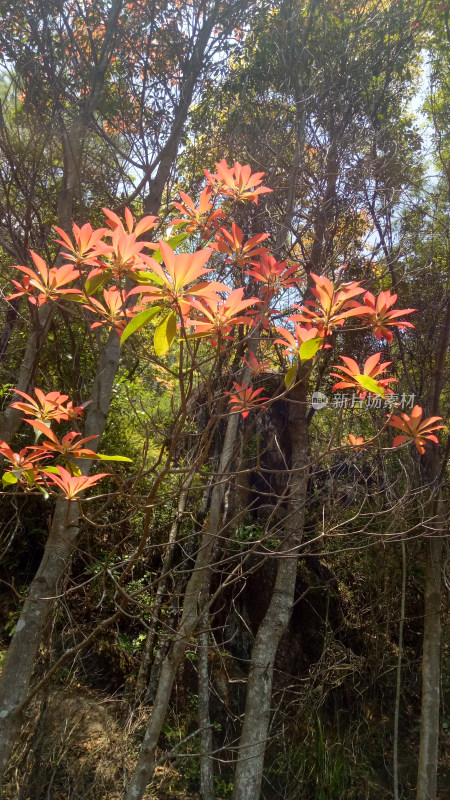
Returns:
(165, 334)
(53, 470)
(173, 242)
(103, 457)
(30, 476)
(370, 384)
(8, 479)
(309, 348)
(139, 321)
(198, 335)
(74, 468)
(146, 278)
(75, 298)
(94, 283)
(289, 378)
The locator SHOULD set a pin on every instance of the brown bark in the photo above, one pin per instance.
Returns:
(252, 745)
(189, 621)
(432, 629)
(204, 721)
(10, 419)
(431, 672)
(144, 669)
(22, 652)
(326, 210)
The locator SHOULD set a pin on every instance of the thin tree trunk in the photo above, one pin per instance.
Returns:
(192, 73)
(325, 213)
(204, 721)
(144, 669)
(398, 686)
(190, 618)
(252, 745)
(23, 649)
(20, 659)
(11, 418)
(173, 614)
(432, 630)
(431, 672)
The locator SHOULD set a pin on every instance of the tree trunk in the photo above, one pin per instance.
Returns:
(204, 722)
(325, 213)
(172, 612)
(431, 656)
(398, 683)
(190, 618)
(168, 153)
(431, 672)
(23, 649)
(144, 669)
(20, 659)
(252, 745)
(11, 418)
(432, 631)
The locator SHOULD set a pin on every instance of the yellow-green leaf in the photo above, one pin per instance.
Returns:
(30, 476)
(74, 468)
(139, 321)
(370, 384)
(104, 457)
(165, 334)
(8, 479)
(94, 283)
(289, 378)
(147, 277)
(75, 298)
(173, 242)
(309, 348)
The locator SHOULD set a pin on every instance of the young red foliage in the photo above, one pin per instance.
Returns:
(380, 318)
(72, 485)
(178, 279)
(48, 282)
(293, 342)
(256, 367)
(23, 461)
(245, 399)
(88, 244)
(145, 224)
(415, 428)
(48, 406)
(274, 275)
(219, 316)
(232, 244)
(354, 441)
(354, 375)
(331, 306)
(203, 217)
(67, 447)
(115, 312)
(237, 182)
